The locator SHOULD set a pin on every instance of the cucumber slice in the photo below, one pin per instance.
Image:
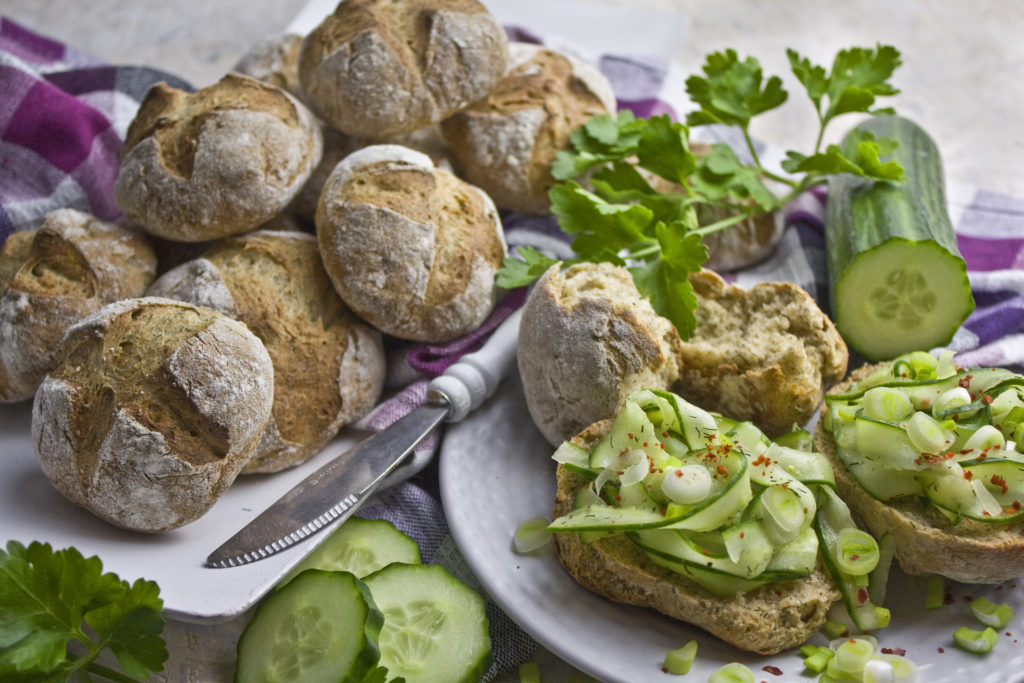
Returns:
(322, 626)
(435, 627)
(360, 546)
(898, 281)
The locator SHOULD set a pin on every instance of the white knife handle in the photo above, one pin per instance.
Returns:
(475, 376)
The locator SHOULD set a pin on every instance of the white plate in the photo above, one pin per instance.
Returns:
(496, 471)
(31, 509)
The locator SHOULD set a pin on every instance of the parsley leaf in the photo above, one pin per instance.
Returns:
(48, 599)
(732, 92)
(522, 271)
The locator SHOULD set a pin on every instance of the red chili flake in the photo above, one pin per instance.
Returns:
(854, 558)
(862, 595)
(629, 436)
(678, 473)
(662, 446)
(722, 470)
(941, 650)
(773, 670)
(1000, 482)
(645, 444)
(965, 381)
(987, 399)
(968, 475)
(1015, 505)
(618, 498)
(742, 534)
(894, 651)
(664, 434)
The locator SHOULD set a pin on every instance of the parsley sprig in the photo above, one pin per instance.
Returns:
(622, 218)
(59, 611)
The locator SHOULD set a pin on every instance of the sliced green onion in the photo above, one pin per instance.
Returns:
(985, 437)
(903, 670)
(927, 435)
(635, 466)
(531, 535)
(878, 671)
(852, 654)
(1007, 406)
(856, 551)
(680, 660)
(529, 672)
(935, 597)
(816, 658)
(985, 498)
(886, 403)
(951, 400)
(880, 574)
(687, 485)
(570, 454)
(978, 642)
(833, 629)
(945, 366)
(990, 613)
(733, 672)
(784, 513)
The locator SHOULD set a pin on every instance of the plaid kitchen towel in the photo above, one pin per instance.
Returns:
(63, 116)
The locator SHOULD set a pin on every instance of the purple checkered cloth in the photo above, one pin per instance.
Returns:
(63, 116)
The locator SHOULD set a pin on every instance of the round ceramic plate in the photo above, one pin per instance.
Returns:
(496, 471)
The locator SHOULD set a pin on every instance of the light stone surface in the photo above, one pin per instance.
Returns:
(960, 79)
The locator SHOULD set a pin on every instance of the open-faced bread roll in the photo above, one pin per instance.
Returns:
(153, 411)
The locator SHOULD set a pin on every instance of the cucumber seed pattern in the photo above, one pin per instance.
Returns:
(303, 635)
(411, 633)
(905, 298)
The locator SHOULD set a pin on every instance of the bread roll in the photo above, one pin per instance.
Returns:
(507, 142)
(381, 68)
(587, 340)
(765, 354)
(766, 620)
(217, 162)
(154, 409)
(52, 277)
(410, 248)
(274, 60)
(328, 364)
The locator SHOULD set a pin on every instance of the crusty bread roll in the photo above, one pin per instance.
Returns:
(410, 248)
(765, 354)
(154, 409)
(52, 277)
(274, 60)
(925, 541)
(587, 340)
(769, 619)
(381, 68)
(217, 162)
(329, 365)
(506, 142)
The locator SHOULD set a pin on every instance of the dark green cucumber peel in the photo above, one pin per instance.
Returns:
(898, 280)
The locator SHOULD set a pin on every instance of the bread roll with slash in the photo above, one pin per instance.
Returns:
(217, 162)
(329, 365)
(51, 278)
(155, 408)
(410, 248)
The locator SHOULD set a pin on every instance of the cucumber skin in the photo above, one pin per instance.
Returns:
(862, 215)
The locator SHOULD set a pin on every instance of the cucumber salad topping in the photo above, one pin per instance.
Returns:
(920, 426)
(719, 502)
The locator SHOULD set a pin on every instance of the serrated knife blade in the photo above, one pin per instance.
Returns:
(335, 490)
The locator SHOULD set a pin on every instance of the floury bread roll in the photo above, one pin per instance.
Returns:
(381, 68)
(586, 341)
(217, 162)
(54, 276)
(507, 142)
(410, 248)
(329, 365)
(155, 408)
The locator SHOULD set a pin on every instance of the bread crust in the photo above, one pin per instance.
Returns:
(51, 278)
(765, 354)
(329, 365)
(381, 68)
(155, 408)
(926, 542)
(217, 162)
(587, 340)
(506, 142)
(766, 620)
(410, 248)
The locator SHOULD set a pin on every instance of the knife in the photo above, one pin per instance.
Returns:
(334, 491)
